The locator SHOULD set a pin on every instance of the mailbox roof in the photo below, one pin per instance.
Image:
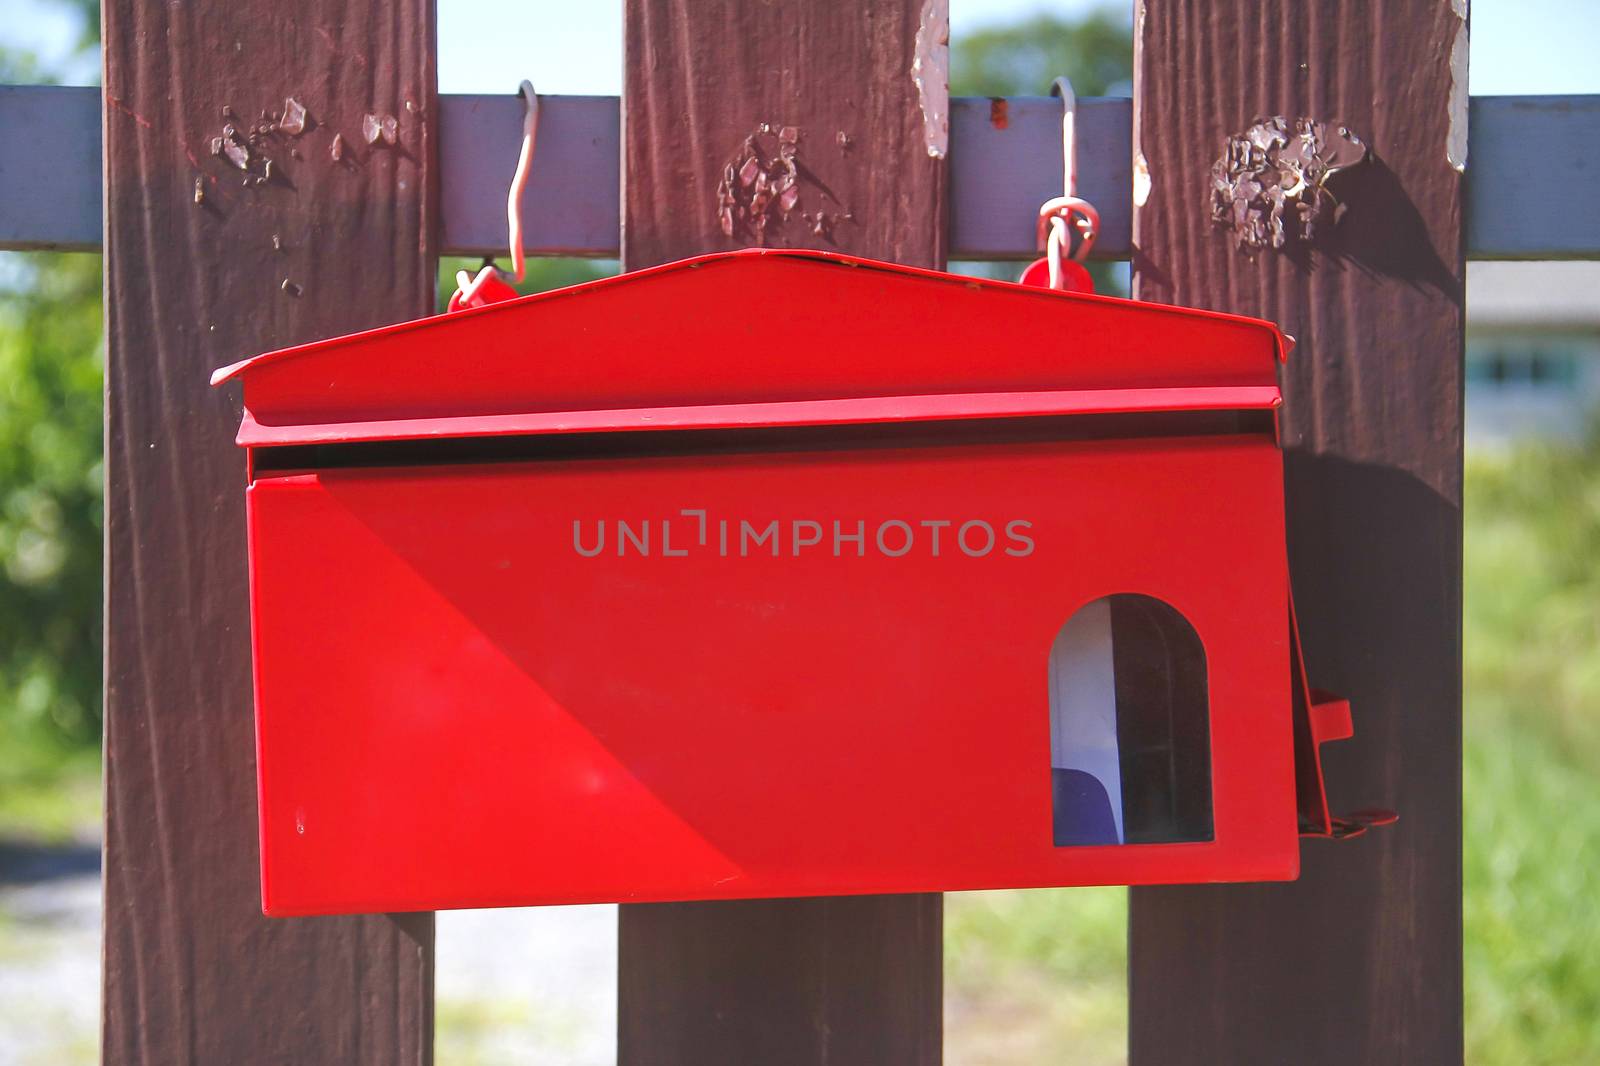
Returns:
(757, 337)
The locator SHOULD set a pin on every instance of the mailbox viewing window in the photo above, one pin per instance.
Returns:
(1129, 726)
(839, 536)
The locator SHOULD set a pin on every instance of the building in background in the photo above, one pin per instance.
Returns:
(1533, 351)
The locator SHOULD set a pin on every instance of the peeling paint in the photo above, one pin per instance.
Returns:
(235, 147)
(295, 120)
(1141, 179)
(249, 146)
(130, 112)
(1269, 185)
(380, 130)
(1141, 165)
(1455, 145)
(930, 73)
(761, 187)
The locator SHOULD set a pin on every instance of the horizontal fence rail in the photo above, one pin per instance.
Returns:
(1529, 157)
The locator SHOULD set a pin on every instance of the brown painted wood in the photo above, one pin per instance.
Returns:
(193, 972)
(702, 75)
(832, 980)
(788, 982)
(1360, 960)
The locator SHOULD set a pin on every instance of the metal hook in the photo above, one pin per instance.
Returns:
(470, 290)
(519, 180)
(1068, 209)
(1062, 87)
(1080, 212)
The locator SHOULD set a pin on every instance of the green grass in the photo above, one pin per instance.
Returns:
(495, 1032)
(465, 1031)
(1029, 974)
(1532, 806)
(49, 793)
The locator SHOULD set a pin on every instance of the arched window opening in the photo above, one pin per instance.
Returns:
(1130, 731)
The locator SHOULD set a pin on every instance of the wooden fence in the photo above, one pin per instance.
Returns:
(1357, 962)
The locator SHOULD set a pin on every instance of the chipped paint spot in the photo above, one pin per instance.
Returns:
(130, 112)
(1141, 166)
(762, 183)
(1269, 185)
(930, 73)
(237, 151)
(999, 112)
(380, 130)
(1455, 144)
(295, 119)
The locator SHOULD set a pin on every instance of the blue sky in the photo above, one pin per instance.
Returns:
(575, 46)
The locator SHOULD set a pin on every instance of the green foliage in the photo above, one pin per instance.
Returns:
(51, 374)
(1532, 837)
(1008, 928)
(541, 274)
(50, 506)
(1029, 973)
(88, 21)
(1023, 58)
(21, 67)
(50, 513)
(1533, 593)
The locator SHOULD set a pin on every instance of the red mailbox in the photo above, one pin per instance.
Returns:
(773, 574)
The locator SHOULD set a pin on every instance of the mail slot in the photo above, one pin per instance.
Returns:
(773, 574)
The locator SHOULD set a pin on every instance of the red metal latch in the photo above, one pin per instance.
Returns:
(487, 287)
(1320, 717)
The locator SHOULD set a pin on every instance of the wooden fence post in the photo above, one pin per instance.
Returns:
(204, 265)
(854, 979)
(1360, 960)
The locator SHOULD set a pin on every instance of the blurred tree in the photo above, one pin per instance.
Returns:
(19, 66)
(1531, 630)
(50, 499)
(89, 21)
(51, 387)
(1023, 58)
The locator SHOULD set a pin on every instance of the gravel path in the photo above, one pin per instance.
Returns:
(529, 986)
(513, 987)
(50, 971)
